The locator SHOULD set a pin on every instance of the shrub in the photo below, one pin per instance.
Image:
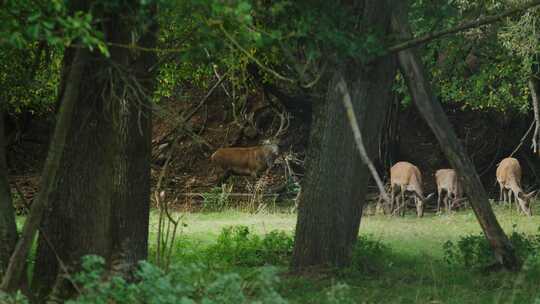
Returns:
(17, 298)
(339, 293)
(192, 283)
(237, 246)
(369, 254)
(217, 199)
(474, 250)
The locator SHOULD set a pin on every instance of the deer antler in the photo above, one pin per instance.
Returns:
(284, 122)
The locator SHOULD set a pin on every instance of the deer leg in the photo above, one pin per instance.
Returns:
(418, 204)
(449, 200)
(225, 177)
(439, 198)
(519, 207)
(392, 197)
(394, 200)
(501, 192)
(402, 203)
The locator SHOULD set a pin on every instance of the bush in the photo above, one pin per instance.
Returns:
(17, 298)
(339, 293)
(475, 251)
(217, 199)
(192, 283)
(237, 246)
(369, 254)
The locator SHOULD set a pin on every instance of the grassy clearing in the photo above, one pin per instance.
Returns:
(412, 270)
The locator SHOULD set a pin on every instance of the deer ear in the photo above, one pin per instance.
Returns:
(531, 194)
(527, 196)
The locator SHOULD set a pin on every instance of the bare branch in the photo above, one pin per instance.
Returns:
(522, 139)
(260, 64)
(534, 96)
(347, 103)
(462, 27)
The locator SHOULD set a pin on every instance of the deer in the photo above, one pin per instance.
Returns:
(448, 188)
(406, 177)
(250, 161)
(509, 178)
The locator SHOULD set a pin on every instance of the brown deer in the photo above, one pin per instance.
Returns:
(405, 177)
(509, 179)
(250, 161)
(448, 188)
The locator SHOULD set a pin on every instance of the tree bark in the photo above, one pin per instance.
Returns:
(102, 196)
(131, 178)
(335, 185)
(415, 76)
(8, 228)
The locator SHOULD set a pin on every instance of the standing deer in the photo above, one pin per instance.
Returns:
(250, 161)
(448, 188)
(509, 179)
(405, 177)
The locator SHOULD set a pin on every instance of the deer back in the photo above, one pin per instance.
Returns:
(245, 160)
(509, 171)
(447, 179)
(407, 175)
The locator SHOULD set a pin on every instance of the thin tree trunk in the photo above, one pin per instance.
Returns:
(533, 86)
(420, 88)
(12, 277)
(335, 185)
(8, 228)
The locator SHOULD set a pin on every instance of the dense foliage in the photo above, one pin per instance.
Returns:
(474, 250)
(481, 68)
(33, 35)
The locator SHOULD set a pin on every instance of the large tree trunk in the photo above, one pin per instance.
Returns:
(101, 200)
(414, 73)
(8, 229)
(334, 188)
(133, 138)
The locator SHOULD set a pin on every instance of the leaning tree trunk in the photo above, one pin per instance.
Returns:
(534, 85)
(8, 229)
(14, 276)
(101, 200)
(335, 185)
(414, 73)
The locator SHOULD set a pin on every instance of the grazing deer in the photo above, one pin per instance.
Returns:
(405, 177)
(448, 188)
(509, 178)
(250, 160)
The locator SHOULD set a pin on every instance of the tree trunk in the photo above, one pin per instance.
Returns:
(14, 274)
(131, 179)
(534, 84)
(8, 228)
(334, 188)
(102, 196)
(414, 73)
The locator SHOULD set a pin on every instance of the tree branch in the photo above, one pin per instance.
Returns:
(347, 103)
(464, 26)
(534, 96)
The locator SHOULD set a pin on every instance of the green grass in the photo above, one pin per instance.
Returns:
(413, 271)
